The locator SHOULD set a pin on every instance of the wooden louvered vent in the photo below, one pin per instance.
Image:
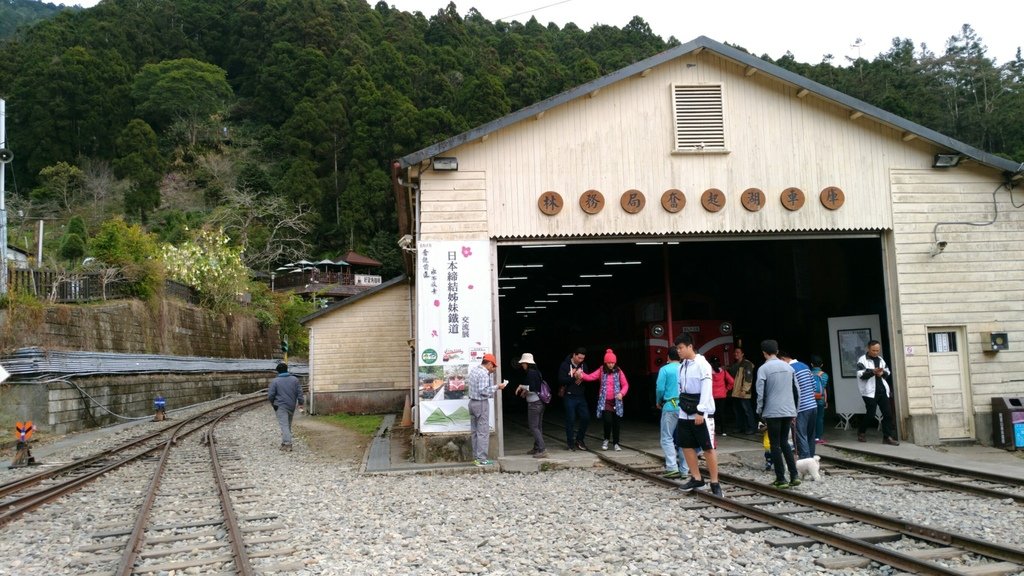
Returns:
(699, 124)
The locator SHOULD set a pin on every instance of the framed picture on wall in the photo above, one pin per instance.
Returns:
(852, 345)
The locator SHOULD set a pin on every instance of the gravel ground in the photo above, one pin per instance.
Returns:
(574, 521)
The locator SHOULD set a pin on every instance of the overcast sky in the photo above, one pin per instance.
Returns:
(807, 28)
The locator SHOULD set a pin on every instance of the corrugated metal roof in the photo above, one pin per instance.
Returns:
(31, 362)
(701, 43)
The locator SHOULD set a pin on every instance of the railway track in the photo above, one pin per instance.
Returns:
(753, 506)
(930, 474)
(178, 502)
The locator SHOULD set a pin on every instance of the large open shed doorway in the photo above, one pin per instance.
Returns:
(554, 297)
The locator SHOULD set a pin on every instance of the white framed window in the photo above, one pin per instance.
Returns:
(699, 119)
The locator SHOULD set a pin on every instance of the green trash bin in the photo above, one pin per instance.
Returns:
(1008, 423)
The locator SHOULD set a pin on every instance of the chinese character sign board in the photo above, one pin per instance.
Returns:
(454, 329)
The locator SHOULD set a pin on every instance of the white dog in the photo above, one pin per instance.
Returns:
(809, 467)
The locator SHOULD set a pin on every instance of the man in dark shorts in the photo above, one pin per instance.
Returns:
(696, 428)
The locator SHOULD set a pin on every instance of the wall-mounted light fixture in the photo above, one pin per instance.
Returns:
(445, 163)
(946, 160)
(938, 247)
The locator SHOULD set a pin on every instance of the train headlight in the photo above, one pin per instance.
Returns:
(725, 328)
(657, 330)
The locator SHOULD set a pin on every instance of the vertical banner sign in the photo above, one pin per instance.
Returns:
(453, 306)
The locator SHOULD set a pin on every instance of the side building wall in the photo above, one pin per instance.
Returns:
(359, 355)
(973, 285)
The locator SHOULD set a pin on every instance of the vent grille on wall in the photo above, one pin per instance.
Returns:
(699, 119)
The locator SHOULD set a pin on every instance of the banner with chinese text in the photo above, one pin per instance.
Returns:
(454, 329)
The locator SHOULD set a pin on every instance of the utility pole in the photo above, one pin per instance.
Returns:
(5, 157)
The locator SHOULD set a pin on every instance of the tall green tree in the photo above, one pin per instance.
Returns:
(185, 89)
(139, 160)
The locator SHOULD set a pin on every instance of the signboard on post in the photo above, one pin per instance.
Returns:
(4, 375)
(454, 329)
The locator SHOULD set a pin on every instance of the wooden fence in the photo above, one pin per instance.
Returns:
(84, 287)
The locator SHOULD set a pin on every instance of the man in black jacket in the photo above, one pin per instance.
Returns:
(577, 413)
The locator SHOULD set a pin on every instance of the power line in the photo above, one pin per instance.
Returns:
(534, 9)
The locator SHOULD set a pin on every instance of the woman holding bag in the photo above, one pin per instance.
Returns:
(530, 390)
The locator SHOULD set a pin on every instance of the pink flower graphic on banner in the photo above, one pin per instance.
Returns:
(467, 251)
(437, 303)
(433, 333)
(469, 286)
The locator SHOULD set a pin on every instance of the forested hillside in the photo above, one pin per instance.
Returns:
(17, 13)
(276, 120)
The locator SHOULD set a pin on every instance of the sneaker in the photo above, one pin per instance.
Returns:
(581, 446)
(672, 474)
(768, 466)
(780, 484)
(618, 448)
(287, 447)
(716, 489)
(479, 462)
(604, 445)
(819, 441)
(531, 451)
(570, 447)
(891, 442)
(543, 454)
(692, 485)
(794, 482)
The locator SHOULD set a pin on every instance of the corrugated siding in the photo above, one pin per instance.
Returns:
(977, 282)
(363, 346)
(622, 138)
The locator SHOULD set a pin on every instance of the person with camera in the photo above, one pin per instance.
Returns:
(874, 389)
(696, 428)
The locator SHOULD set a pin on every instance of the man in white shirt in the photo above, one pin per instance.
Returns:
(696, 428)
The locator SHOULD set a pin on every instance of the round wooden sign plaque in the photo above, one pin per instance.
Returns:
(633, 201)
(712, 200)
(792, 199)
(592, 201)
(753, 199)
(832, 198)
(550, 203)
(673, 201)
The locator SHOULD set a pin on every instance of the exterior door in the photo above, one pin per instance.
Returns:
(951, 391)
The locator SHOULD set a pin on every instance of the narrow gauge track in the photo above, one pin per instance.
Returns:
(764, 505)
(17, 496)
(179, 511)
(973, 482)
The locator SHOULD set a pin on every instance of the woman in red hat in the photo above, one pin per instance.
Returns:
(612, 390)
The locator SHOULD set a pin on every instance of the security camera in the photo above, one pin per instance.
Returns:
(938, 247)
(405, 242)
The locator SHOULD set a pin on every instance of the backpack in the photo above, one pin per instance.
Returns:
(545, 392)
(819, 385)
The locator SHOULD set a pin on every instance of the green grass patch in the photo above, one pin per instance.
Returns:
(366, 424)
